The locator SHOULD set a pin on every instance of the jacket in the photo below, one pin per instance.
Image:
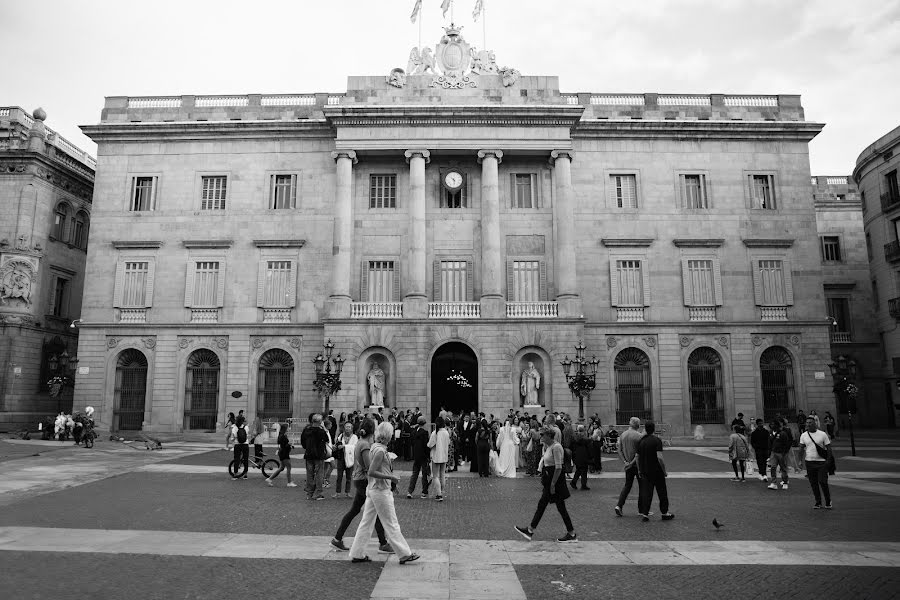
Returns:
(759, 439)
(420, 444)
(313, 440)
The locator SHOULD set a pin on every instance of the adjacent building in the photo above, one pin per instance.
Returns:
(449, 227)
(46, 185)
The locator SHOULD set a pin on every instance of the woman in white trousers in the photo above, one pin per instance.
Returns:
(380, 502)
(439, 442)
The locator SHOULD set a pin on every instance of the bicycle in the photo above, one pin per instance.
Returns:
(268, 466)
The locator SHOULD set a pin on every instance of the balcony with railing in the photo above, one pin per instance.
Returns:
(630, 314)
(894, 307)
(133, 315)
(890, 201)
(376, 310)
(892, 251)
(701, 313)
(532, 310)
(276, 315)
(454, 310)
(204, 315)
(840, 337)
(773, 313)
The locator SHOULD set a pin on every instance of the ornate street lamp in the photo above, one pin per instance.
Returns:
(63, 369)
(328, 377)
(584, 378)
(844, 373)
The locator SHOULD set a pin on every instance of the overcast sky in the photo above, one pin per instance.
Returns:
(840, 55)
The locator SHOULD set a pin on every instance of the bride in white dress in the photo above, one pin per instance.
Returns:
(507, 442)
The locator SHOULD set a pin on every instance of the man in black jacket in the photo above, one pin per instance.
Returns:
(313, 439)
(421, 458)
(759, 439)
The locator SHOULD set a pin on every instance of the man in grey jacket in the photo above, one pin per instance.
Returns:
(628, 442)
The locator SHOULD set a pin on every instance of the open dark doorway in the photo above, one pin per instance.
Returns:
(454, 379)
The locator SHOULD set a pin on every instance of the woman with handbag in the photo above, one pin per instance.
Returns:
(738, 452)
(343, 458)
(555, 488)
(816, 452)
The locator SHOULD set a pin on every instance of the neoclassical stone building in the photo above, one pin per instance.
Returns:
(451, 224)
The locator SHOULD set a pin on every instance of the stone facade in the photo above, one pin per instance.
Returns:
(46, 185)
(559, 185)
(876, 175)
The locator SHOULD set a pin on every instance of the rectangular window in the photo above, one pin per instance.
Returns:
(869, 246)
(693, 191)
(78, 238)
(143, 193)
(624, 189)
(703, 291)
(839, 308)
(60, 297)
(382, 191)
(284, 192)
(526, 279)
(380, 281)
(277, 292)
(524, 186)
(213, 194)
(453, 281)
(771, 281)
(206, 284)
(630, 280)
(134, 285)
(762, 192)
(875, 300)
(59, 225)
(892, 186)
(831, 248)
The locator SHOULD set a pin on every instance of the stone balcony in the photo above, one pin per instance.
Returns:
(454, 310)
(376, 310)
(773, 313)
(532, 310)
(892, 251)
(840, 337)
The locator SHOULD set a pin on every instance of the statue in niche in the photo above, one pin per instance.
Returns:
(15, 282)
(375, 379)
(397, 78)
(529, 384)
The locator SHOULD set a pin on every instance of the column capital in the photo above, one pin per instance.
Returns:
(410, 154)
(498, 154)
(351, 154)
(555, 154)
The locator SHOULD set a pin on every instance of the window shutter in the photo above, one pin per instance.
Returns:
(120, 284)
(364, 282)
(395, 297)
(436, 282)
(292, 291)
(220, 288)
(261, 285)
(682, 190)
(757, 284)
(470, 279)
(687, 284)
(512, 191)
(611, 191)
(613, 282)
(189, 283)
(151, 275)
(510, 283)
(543, 275)
(717, 281)
(645, 280)
(788, 282)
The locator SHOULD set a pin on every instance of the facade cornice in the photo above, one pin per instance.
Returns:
(767, 243)
(699, 242)
(76, 180)
(207, 243)
(392, 115)
(695, 129)
(627, 242)
(206, 130)
(279, 243)
(136, 244)
(839, 285)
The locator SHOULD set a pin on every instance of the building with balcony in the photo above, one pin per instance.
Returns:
(46, 185)
(849, 302)
(876, 175)
(450, 225)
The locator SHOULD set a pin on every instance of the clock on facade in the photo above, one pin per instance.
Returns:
(453, 180)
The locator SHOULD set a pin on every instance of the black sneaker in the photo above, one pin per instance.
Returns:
(645, 518)
(667, 516)
(828, 506)
(525, 532)
(618, 510)
(409, 496)
(569, 537)
(339, 544)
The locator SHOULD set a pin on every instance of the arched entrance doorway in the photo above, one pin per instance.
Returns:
(130, 391)
(454, 379)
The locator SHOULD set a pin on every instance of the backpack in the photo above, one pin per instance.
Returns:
(241, 435)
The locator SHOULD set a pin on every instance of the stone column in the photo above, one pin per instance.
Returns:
(342, 245)
(565, 242)
(415, 302)
(493, 305)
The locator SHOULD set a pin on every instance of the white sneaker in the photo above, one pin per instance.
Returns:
(269, 482)
(784, 486)
(292, 484)
(772, 486)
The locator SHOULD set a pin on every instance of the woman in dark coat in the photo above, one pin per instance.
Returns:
(483, 448)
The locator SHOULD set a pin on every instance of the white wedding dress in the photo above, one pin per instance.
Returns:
(507, 442)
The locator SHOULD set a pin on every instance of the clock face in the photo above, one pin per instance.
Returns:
(453, 180)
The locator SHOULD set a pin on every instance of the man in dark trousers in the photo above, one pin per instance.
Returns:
(759, 439)
(652, 473)
(463, 429)
(421, 458)
(313, 439)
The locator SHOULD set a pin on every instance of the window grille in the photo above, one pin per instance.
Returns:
(705, 380)
(383, 191)
(762, 192)
(777, 376)
(214, 191)
(201, 390)
(831, 248)
(633, 387)
(275, 385)
(130, 391)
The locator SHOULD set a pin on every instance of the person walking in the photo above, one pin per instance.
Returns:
(256, 432)
(628, 443)
(439, 442)
(361, 461)
(652, 473)
(781, 448)
(421, 457)
(314, 439)
(759, 441)
(241, 446)
(229, 424)
(284, 457)
(738, 452)
(830, 425)
(483, 448)
(380, 502)
(581, 456)
(817, 454)
(344, 446)
(554, 488)
(330, 429)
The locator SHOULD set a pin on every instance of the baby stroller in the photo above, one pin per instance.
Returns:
(611, 441)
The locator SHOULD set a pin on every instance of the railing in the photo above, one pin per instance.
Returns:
(332, 100)
(221, 101)
(376, 310)
(892, 251)
(840, 337)
(773, 313)
(814, 180)
(289, 100)
(894, 307)
(751, 101)
(617, 100)
(707, 416)
(167, 102)
(532, 310)
(204, 315)
(276, 315)
(889, 200)
(836, 180)
(683, 100)
(4, 112)
(132, 315)
(701, 313)
(454, 310)
(570, 98)
(630, 315)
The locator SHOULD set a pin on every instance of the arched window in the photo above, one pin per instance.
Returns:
(61, 222)
(633, 389)
(705, 380)
(776, 371)
(201, 390)
(80, 233)
(275, 385)
(130, 392)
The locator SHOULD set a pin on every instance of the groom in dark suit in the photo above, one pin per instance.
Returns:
(465, 429)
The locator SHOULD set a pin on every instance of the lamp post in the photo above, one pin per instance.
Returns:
(844, 372)
(328, 377)
(583, 379)
(63, 368)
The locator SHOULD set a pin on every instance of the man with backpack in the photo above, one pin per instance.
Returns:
(782, 440)
(314, 440)
(241, 446)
